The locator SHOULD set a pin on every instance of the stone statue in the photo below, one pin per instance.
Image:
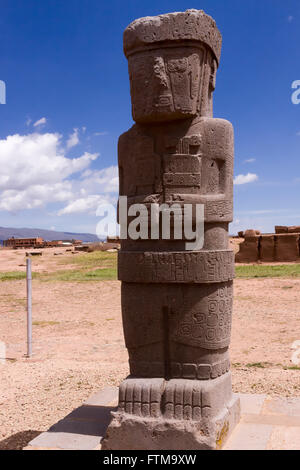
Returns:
(176, 304)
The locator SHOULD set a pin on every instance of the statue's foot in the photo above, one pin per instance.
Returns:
(175, 414)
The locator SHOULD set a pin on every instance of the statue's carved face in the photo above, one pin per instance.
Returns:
(166, 83)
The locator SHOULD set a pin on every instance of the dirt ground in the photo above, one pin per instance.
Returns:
(79, 348)
(50, 261)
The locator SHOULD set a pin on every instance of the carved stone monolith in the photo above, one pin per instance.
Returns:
(176, 303)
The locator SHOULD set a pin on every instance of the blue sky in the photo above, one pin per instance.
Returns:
(68, 101)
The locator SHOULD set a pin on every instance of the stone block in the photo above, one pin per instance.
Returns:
(287, 247)
(281, 229)
(267, 248)
(249, 250)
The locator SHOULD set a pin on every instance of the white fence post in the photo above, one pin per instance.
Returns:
(29, 306)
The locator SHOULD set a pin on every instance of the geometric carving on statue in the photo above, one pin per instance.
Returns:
(180, 370)
(186, 145)
(171, 267)
(174, 400)
(190, 169)
(141, 399)
(182, 181)
(207, 323)
(199, 316)
(155, 398)
(179, 163)
(216, 211)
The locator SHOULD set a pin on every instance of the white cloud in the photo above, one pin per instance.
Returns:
(40, 122)
(107, 180)
(35, 172)
(87, 204)
(290, 18)
(250, 160)
(34, 197)
(73, 139)
(37, 159)
(94, 188)
(244, 179)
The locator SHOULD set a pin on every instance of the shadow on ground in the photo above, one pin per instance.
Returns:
(19, 440)
(82, 429)
(85, 420)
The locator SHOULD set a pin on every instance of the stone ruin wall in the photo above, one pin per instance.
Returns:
(283, 245)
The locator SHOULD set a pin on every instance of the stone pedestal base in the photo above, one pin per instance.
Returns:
(156, 414)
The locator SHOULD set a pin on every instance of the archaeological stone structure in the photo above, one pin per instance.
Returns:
(176, 303)
(283, 245)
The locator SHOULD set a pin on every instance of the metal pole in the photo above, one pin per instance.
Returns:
(29, 307)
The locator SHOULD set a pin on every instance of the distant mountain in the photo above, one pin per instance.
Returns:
(49, 235)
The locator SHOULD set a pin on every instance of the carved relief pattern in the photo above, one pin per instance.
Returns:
(208, 323)
(184, 267)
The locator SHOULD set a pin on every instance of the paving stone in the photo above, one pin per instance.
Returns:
(107, 396)
(284, 438)
(282, 406)
(65, 440)
(274, 420)
(249, 437)
(251, 403)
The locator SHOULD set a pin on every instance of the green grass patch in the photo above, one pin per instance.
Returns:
(45, 323)
(259, 365)
(15, 276)
(263, 365)
(96, 259)
(263, 271)
(81, 275)
(12, 276)
(238, 297)
(95, 266)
